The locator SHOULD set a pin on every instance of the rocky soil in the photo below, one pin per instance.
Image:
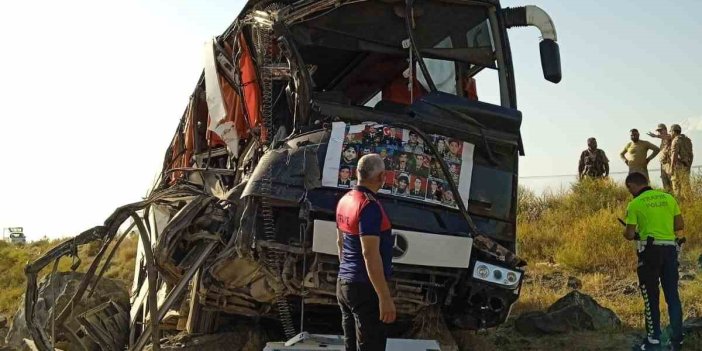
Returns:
(576, 321)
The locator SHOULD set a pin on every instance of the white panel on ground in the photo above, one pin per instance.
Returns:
(415, 248)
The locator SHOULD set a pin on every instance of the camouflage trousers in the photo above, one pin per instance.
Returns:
(680, 178)
(665, 177)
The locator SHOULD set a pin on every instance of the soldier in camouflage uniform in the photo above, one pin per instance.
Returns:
(680, 161)
(666, 139)
(593, 161)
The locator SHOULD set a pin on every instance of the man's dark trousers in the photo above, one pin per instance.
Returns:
(360, 317)
(660, 262)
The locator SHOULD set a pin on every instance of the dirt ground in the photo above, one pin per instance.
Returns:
(507, 339)
(545, 283)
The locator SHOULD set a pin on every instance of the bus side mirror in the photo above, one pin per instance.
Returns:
(550, 60)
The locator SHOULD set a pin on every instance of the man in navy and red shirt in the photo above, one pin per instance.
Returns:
(365, 260)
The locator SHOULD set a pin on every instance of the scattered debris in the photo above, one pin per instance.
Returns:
(618, 286)
(528, 278)
(573, 312)
(429, 324)
(554, 280)
(687, 276)
(244, 338)
(693, 326)
(631, 289)
(551, 263)
(555, 275)
(574, 283)
(54, 294)
(107, 325)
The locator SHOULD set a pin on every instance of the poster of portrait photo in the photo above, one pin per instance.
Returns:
(347, 176)
(411, 169)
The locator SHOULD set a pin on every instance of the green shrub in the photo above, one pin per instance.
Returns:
(579, 228)
(531, 207)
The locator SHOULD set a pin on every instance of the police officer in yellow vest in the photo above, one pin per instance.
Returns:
(653, 218)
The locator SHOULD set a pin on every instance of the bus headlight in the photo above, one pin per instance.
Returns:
(496, 274)
(482, 271)
(511, 277)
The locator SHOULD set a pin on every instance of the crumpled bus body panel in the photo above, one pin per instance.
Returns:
(293, 93)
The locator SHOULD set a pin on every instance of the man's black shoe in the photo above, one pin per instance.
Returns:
(676, 346)
(649, 344)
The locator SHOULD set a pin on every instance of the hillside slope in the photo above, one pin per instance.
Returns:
(577, 233)
(570, 234)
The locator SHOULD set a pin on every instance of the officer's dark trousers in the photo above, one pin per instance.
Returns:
(360, 317)
(660, 263)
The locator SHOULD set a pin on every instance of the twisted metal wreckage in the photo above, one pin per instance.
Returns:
(241, 220)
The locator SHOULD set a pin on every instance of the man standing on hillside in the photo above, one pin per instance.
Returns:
(656, 217)
(680, 161)
(666, 139)
(365, 245)
(593, 161)
(635, 154)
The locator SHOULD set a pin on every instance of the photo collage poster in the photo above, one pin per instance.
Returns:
(411, 169)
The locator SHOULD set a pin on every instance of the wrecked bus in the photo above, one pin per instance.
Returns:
(241, 222)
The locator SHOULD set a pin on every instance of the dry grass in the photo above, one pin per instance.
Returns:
(576, 233)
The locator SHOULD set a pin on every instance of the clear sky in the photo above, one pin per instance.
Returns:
(92, 91)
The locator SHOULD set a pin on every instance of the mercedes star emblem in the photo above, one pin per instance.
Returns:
(399, 249)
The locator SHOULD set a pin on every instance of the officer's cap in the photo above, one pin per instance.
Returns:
(661, 126)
